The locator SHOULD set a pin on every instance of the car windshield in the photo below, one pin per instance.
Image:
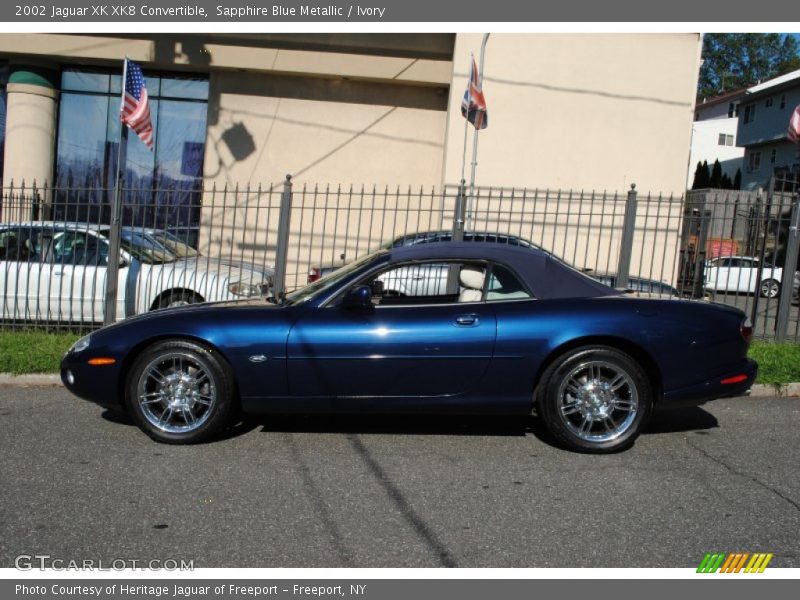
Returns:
(152, 247)
(174, 244)
(328, 281)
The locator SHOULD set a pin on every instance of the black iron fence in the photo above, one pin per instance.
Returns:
(238, 242)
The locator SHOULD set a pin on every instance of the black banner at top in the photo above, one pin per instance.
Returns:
(394, 11)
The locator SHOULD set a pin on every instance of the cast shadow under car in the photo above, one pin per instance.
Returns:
(663, 421)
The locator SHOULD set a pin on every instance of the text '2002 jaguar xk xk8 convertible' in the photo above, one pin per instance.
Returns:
(507, 330)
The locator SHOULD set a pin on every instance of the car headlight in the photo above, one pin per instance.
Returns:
(246, 290)
(81, 345)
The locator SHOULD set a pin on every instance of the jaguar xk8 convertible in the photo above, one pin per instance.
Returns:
(511, 331)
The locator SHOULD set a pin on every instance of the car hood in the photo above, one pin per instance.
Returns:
(224, 269)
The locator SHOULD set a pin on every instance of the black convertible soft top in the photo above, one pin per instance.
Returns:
(546, 276)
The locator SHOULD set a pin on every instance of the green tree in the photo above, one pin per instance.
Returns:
(737, 180)
(697, 176)
(736, 60)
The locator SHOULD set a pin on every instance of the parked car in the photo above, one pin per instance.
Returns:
(739, 274)
(796, 287)
(51, 271)
(521, 330)
(434, 278)
(638, 285)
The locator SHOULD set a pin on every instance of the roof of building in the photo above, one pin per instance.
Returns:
(771, 85)
(723, 97)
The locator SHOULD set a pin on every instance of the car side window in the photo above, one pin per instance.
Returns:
(504, 285)
(80, 248)
(20, 244)
(427, 283)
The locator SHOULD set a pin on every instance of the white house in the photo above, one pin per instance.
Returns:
(714, 134)
(763, 122)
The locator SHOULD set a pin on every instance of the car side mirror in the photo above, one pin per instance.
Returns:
(358, 297)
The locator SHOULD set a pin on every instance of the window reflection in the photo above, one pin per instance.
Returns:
(163, 186)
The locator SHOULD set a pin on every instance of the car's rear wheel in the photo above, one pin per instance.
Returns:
(770, 288)
(595, 399)
(179, 392)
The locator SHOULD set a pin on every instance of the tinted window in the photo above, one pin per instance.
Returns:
(79, 248)
(163, 184)
(21, 244)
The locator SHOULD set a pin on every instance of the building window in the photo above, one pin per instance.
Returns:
(783, 101)
(725, 139)
(773, 156)
(733, 110)
(768, 103)
(749, 113)
(754, 162)
(164, 184)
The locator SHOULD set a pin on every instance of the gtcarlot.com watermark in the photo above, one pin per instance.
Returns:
(42, 562)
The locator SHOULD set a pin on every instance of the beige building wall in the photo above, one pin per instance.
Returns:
(323, 131)
(580, 111)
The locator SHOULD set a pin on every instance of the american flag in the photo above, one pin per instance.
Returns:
(473, 106)
(135, 107)
(794, 126)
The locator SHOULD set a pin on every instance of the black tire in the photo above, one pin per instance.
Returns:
(770, 288)
(194, 412)
(178, 298)
(565, 414)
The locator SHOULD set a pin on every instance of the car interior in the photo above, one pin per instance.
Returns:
(428, 284)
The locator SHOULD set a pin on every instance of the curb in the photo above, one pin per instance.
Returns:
(759, 390)
(37, 379)
(788, 390)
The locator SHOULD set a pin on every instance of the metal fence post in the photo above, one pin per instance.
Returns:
(763, 231)
(282, 250)
(789, 267)
(459, 217)
(626, 244)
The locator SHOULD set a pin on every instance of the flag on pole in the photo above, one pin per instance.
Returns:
(794, 126)
(135, 107)
(473, 106)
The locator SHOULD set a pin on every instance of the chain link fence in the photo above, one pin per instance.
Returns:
(180, 246)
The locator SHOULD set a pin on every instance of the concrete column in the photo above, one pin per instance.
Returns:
(30, 125)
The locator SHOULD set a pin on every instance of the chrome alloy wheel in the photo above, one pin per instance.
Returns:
(598, 401)
(770, 288)
(176, 393)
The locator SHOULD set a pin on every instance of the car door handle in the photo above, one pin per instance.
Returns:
(469, 319)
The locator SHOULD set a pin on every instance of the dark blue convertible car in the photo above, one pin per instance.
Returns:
(435, 328)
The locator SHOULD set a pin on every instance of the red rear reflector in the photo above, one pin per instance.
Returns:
(98, 362)
(746, 329)
(734, 379)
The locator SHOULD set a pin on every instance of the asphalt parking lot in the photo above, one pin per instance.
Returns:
(80, 483)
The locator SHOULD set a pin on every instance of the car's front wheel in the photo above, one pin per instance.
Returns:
(770, 288)
(176, 298)
(179, 392)
(595, 399)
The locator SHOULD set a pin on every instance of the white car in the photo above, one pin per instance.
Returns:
(51, 271)
(739, 274)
